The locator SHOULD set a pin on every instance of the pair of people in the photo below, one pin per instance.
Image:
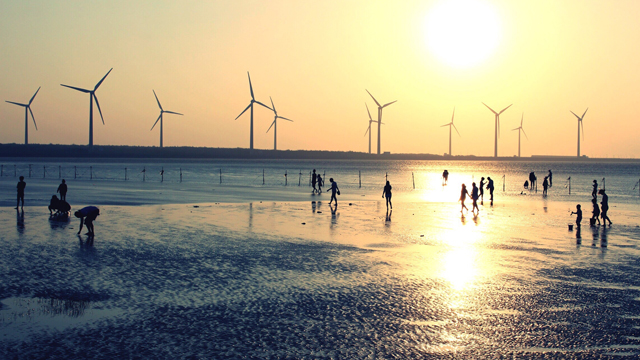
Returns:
(475, 194)
(316, 179)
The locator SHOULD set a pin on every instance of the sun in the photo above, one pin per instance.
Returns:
(462, 33)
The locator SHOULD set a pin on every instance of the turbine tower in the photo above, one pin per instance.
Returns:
(253, 100)
(497, 129)
(451, 124)
(520, 129)
(162, 111)
(275, 125)
(27, 110)
(379, 115)
(579, 125)
(92, 96)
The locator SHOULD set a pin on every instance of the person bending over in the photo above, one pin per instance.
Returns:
(87, 215)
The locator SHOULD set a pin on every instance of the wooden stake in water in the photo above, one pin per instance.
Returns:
(125, 174)
(220, 176)
(44, 172)
(386, 176)
(569, 180)
(91, 172)
(162, 175)
(144, 174)
(359, 180)
(414, 181)
(262, 176)
(300, 177)
(504, 179)
(604, 184)
(75, 172)
(285, 178)
(180, 174)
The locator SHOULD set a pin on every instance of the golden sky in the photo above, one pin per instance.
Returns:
(316, 59)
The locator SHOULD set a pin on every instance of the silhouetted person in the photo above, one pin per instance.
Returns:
(87, 215)
(595, 214)
(445, 177)
(550, 176)
(578, 212)
(388, 216)
(605, 207)
(463, 196)
(58, 208)
(386, 193)
(526, 185)
(334, 189)
(594, 192)
(21, 185)
(545, 186)
(481, 188)
(490, 188)
(314, 179)
(320, 183)
(53, 204)
(532, 181)
(62, 189)
(474, 197)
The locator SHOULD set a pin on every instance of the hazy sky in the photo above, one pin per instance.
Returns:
(316, 58)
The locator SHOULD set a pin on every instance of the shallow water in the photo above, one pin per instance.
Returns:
(306, 281)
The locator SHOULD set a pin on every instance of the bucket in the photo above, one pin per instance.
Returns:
(592, 222)
(570, 227)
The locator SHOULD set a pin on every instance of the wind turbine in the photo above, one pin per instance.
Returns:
(275, 124)
(253, 100)
(525, 134)
(580, 124)
(451, 125)
(92, 96)
(162, 111)
(27, 110)
(369, 128)
(497, 129)
(379, 115)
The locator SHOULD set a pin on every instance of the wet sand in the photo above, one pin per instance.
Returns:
(303, 281)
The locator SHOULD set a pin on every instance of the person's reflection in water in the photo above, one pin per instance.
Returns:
(313, 205)
(463, 219)
(388, 216)
(604, 241)
(475, 219)
(86, 247)
(578, 234)
(250, 215)
(596, 236)
(20, 221)
(334, 215)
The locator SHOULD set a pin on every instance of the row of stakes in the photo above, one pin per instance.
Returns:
(144, 176)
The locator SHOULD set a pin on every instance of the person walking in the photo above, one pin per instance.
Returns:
(595, 214)
(605, 207)
(320, 183)
(594, 192)
(474, 197)
(445, 177)
(334, 190)
(87, 216)
(314, 179)
(386, 193)
(21, 185)
(463, 195)
(545, 186)
(62, 189)
(550, 176)
(481, 188)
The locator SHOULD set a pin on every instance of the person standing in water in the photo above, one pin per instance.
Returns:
(314, 179)
(545, 186)
(594, 192)
(21, 185)
(474, 197)
(334, 189)
(445, 177)
(595, 213)
(490, 188)
(463, 196)
(319, 178)
(579, 213)
(87, 215)
(550, 176)
(62, 189)
(481, 188)
(386, 193)
(605, 207)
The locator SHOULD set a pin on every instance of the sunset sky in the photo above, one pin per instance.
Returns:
(316, 59)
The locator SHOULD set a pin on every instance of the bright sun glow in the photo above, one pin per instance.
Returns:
(462, 33)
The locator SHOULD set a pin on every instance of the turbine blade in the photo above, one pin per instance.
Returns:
(374, 99)
(368, 112)
(490, 108)
(76, 88)
(274, 121)
(575, 115)
(454, 126)
(284, 118)
(273, 106)
(452, 115)
(504, 109)
(34, 95)
(522, 120)
(518, 128)
(582, 125)
(101, 80)
(245, 109)
(258, 102)
(368, 128)
(97, 103)
(525, 134)
(171, 112)
(15, 103)
(449, 124)
(154, 94)
(250, 87)
(585, 113)
(154, 124)
(385, 105)
(33, 117)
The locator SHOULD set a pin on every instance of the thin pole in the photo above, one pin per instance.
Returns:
(262, 176)
(180, 174)
(14, 171)
(299, 177)
(125, 174)
(386, 176)
(44, 172)
(75, 172)
(285, 178)
(360, 177)
(162, 174)
(414, 180)
(251, 148)
(504, 179)
(144, 174)
(91, 172)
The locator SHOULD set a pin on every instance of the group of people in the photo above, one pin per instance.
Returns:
(598, 211)
(476, 193)
(316, 180)
(532, 183)
(59, 208)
